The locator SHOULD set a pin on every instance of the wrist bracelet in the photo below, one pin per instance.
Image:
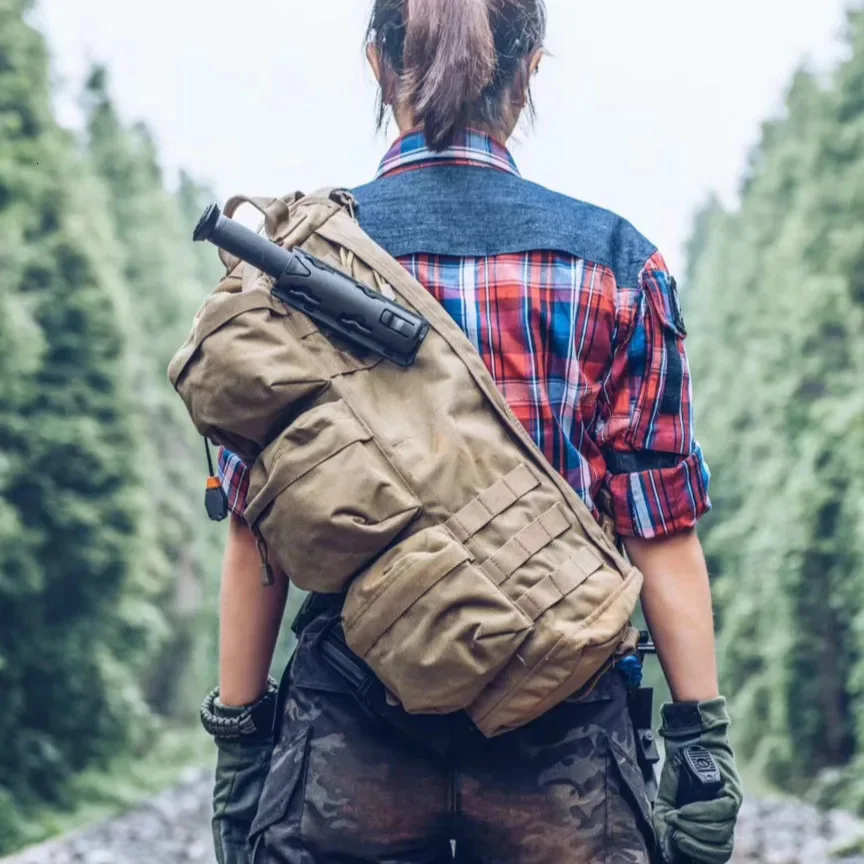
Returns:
(247, 722)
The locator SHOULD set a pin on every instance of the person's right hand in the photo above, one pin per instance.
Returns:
(242, 765)
(241, 769)
(702, 831)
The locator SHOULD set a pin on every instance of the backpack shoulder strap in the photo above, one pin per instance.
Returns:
(344, 230)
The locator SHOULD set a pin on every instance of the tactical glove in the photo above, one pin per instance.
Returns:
(702, 831)
(244, 738)
(241, 769)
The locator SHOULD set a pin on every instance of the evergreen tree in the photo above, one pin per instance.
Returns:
(166, 278)
(776, 310)
(75, 622)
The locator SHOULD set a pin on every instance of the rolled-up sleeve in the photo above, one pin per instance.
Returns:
(234, 476)
(657, 478)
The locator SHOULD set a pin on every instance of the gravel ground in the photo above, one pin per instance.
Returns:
(173, 828)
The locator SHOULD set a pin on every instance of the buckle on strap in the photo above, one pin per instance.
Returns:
(345, 199)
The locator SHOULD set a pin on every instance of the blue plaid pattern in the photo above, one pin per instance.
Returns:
(596, 372)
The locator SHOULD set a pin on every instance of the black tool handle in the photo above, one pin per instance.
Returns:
(363, 317)
(699, 780)
(238, 240)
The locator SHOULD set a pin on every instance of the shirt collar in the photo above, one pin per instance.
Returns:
(471, 147)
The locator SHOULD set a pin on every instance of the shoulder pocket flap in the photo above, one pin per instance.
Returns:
(405, 585)
(663, 294)
(217, 312)
(312, 439)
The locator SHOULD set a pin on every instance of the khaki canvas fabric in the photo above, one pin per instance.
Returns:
(476, 577)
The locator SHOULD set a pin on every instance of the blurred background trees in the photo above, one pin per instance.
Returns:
(105, 552)
(109, 568)
(775, 305)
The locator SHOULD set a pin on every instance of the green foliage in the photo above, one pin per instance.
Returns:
(71, 496)
(106, 555)
(775, 302)
(166, 278)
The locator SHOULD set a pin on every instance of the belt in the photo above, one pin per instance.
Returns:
(438, 733)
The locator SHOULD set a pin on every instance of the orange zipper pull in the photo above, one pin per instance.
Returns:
(215, 500)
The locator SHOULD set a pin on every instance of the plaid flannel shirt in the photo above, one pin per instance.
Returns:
(595, 371)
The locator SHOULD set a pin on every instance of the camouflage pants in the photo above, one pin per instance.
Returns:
(343, 789)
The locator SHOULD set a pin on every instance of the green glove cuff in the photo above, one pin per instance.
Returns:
(689, 719)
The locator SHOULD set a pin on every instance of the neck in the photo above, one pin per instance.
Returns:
(495, 135)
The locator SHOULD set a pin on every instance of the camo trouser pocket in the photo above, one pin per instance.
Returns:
(629, 829)
(571, 789)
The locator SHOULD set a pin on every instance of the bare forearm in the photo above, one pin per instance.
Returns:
(676, 600)
(250, 617)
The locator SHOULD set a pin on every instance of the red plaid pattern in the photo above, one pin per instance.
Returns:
(596, 372)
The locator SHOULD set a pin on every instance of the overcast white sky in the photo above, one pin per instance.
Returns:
(643, 107)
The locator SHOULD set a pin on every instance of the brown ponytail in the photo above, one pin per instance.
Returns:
(449, 62)
(454, 63)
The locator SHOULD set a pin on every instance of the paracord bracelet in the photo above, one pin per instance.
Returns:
(247, 722)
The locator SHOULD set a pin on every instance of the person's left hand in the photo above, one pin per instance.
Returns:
(702, 831)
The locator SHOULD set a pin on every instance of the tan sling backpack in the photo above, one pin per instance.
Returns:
(476, 577)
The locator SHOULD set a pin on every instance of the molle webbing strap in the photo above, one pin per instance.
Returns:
(528, 542)
(491, 503)
(560, 584)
